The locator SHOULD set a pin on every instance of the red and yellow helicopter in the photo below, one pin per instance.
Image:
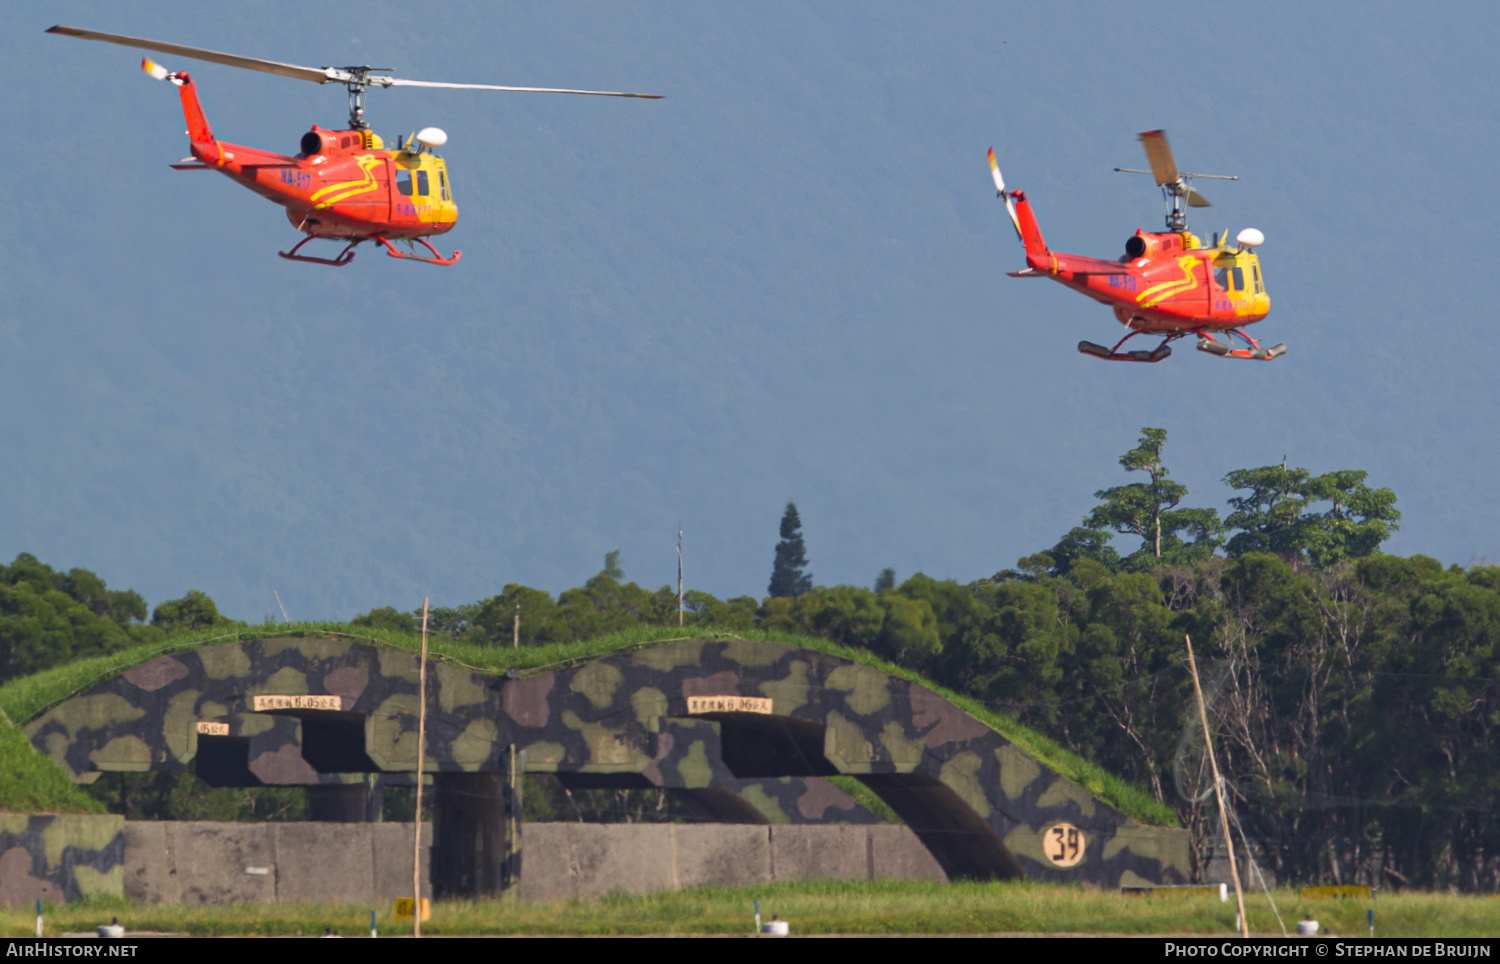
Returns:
(1167, 283)
(344, 185)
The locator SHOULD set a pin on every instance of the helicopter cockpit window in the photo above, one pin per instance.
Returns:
(1221, 275)
(447, 196)
(1239, 279)
(422, 184)
(1260, 287)
(403, 181)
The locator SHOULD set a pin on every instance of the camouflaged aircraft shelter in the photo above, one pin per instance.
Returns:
(740, 730)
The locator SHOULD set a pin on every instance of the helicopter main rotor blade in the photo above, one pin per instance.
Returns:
(318, 75)
(398, 82)
(294, 71)
(1163, 167)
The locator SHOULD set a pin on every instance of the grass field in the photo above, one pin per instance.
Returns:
(31, 783)
(882, 907)
(24, 698)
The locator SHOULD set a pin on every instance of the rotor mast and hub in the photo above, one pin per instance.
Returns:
(359, 81)
(1176, 186)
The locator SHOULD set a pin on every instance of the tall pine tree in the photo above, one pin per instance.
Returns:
(788, 577)
(1149, 510)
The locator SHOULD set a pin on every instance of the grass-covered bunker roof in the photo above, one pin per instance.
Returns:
(620, 704)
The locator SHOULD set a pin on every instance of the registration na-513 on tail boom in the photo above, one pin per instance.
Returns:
(343, 185)
(1167, 283)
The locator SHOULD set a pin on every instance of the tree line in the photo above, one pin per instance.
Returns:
(1354, 694)
(48, 617)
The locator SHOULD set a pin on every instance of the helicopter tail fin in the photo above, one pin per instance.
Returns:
(192, 109)
(198, 130)
(1038, 255)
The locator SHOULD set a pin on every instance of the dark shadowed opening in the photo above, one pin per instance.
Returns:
(959, 839)
(711, 805)
(604, 781)
(224, 761)
(335, 742)
(757, 745)
(342, 803)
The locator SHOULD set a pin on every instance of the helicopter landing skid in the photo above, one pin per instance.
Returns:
(436, 258)
(344, 257)
(1114, 354)
(1208, 343)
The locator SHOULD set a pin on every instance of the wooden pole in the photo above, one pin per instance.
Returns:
(679, 574)
(512, 827)
(1234, 873)
(515, 632)
(416, 845)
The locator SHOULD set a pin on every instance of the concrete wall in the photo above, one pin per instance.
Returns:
(563, 860)
(199, 862)
(221, 863)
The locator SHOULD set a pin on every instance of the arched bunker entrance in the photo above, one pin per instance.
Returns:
(719, 722)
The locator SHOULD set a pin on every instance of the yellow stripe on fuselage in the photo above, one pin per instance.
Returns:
(347, 189)
(1158, 293)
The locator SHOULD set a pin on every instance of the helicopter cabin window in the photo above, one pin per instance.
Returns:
(422, 184)
(1260, 287)
(1239, 278)
(403, 181)
(1221, 275)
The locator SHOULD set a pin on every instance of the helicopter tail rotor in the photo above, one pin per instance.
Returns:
(199, 133)
(996, 176)
(1010, 206)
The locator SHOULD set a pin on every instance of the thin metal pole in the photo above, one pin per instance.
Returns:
(1239, 895)
(679, 574)
(416, 844)
(515, 636)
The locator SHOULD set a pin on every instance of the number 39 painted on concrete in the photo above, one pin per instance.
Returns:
(1063, 844)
